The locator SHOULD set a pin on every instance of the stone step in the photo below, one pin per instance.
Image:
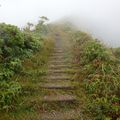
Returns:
(58, 78)
(61, 51)
(65, 115)
(59, 61)
(57, 54)
(62, 71)
(57, 57)
(62, 67)
(59, 98)
(58, 86)
(56, 48)
(52, 65)
(53, 73)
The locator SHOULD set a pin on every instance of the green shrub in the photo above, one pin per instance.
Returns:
(11, 37)
(94, 50)
(9, 92)
(15, 65)
(6, 74)
(15, 46)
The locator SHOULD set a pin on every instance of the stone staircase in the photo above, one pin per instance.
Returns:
(59, 78)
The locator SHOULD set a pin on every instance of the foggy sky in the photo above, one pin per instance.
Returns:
(101, 18)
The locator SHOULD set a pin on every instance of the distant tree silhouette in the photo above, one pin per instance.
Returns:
(42, 20)
(29, 25)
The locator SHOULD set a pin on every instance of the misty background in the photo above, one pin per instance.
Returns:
(101, 18)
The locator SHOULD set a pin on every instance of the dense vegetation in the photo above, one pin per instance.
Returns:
(24, 53)
(15, 46)
(100, 76)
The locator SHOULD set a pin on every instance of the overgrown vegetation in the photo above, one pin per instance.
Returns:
(100, 76)
(15, 47)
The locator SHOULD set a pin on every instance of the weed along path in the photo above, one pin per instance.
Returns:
(59, 100)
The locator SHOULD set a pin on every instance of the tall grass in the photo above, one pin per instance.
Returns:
(100, 75)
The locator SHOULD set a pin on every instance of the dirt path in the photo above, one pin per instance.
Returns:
(61, 99)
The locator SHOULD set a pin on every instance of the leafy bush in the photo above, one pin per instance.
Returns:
(94, 50)
(8, 94)
(11, 37)
(15, 65)
(15, 45)
(32, 41)
(6, 74)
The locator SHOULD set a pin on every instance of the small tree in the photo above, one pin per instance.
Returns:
(28, 27)
(41, 24)
(42, 20)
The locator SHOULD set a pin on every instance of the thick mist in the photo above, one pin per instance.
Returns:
(108, 31)
(101, 18)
